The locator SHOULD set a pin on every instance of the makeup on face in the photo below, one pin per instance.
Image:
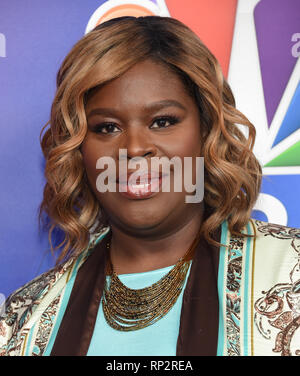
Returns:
(147, 112)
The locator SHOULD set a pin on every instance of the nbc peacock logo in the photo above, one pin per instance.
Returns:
(257, 43)
(264, 74)
(118, 8)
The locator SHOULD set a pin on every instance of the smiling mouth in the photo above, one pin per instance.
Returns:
(143, 187)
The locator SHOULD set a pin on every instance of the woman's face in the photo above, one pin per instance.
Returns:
(147, 112)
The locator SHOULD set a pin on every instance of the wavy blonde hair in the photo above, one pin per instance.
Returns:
(232, 173)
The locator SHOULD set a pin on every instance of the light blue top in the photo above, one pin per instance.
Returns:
(157, 339)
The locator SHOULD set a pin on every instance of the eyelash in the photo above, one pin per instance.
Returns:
(170, 118)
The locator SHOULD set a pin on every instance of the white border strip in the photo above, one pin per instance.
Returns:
(284, 104)
(289, 170)
(105, 7)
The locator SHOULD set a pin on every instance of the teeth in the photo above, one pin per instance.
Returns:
(139, 186)
(143, 187)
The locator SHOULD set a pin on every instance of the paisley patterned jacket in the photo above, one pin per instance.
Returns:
(258, 293)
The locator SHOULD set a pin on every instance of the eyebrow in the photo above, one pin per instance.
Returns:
(150, 107)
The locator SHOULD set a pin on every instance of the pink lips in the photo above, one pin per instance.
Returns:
(143, 186)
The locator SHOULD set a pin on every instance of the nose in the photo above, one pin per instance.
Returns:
(138, 143)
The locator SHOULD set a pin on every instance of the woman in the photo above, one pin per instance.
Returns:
(142, 271)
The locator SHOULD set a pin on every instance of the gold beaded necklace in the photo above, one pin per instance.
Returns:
(128, 309)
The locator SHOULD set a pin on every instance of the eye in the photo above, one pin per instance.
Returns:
(164, 122)
(105, 128)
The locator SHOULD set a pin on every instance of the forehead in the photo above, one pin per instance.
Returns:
(146, 81)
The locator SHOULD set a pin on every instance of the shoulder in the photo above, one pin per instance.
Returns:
(276, 253)
(21, 306)
(269, 255)
(33, 291)
(265, 237)
(26, 306)
(275, 235)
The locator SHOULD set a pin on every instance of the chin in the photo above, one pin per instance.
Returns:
(144, 221)
(141, 220)
(142, 215)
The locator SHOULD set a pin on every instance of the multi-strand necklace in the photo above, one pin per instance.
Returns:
(128, 309)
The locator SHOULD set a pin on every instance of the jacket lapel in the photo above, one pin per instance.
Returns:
(76, 329)
(198, 332)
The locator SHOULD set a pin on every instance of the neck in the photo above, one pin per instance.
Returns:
(133, 253)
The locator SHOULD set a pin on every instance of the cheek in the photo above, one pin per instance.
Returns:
(90, 155)
(92, 150)
(187, 145)
(187, 142)
(188, 149)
